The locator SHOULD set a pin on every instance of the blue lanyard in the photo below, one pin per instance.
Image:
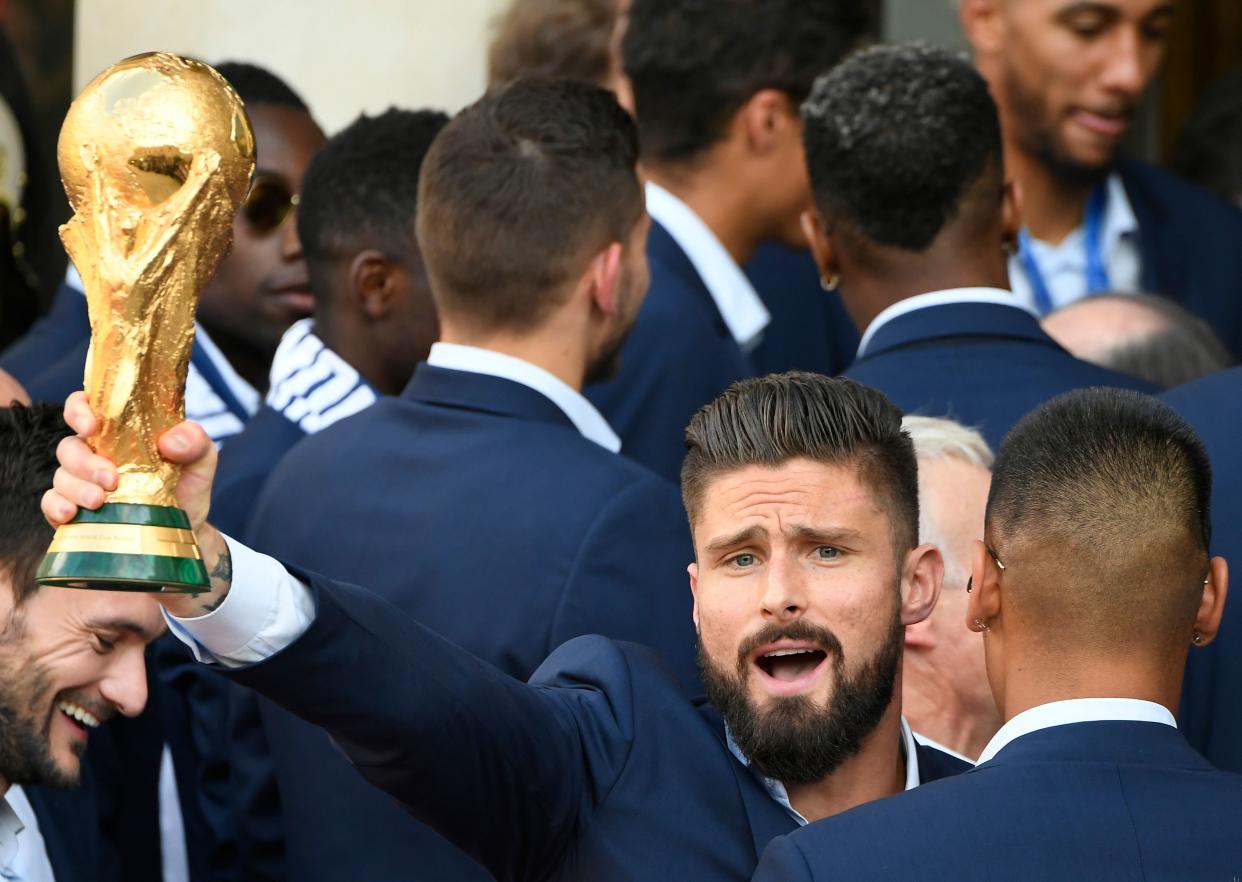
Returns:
(207, 368)
(1097, 272)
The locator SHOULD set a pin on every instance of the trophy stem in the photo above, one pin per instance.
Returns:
(126, 547)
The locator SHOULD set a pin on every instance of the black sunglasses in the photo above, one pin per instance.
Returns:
(269, 203)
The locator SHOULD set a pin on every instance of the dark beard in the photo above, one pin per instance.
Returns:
(25, 697)
(796, 741)
(1039, 139)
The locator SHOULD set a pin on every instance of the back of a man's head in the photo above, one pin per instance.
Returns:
(1209, 152)
(1099, 511)
(28, 440)
(692, 64)
(554, 39)
(518, 193)
(258, 85)
(1139, 334)
(772, 420)
(361, 191)
(901, 142)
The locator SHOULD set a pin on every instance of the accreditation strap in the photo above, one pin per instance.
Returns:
(125, 539)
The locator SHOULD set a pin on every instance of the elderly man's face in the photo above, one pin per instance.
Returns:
(1069, 74)
(69, 660)
(797, 601)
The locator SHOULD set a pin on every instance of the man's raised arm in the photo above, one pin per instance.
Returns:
(496, 766)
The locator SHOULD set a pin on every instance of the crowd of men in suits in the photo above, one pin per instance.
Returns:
(922, 387)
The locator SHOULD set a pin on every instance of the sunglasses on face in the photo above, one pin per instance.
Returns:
(269, 203)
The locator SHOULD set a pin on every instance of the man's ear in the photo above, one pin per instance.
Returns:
(921, 576)
(822, 248)
(1207, 620)
(984, 604)
(693, 570)
(1011, 212)
(604, 273)
(768, 120)
(374, 283)
(982, 24)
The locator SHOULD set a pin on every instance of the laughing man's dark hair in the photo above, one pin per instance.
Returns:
(898, 138)
(833, 420)
(518, 192)
(361, 189)
(258, 85)
(28, 440)
(694, 63)
(1105, 496)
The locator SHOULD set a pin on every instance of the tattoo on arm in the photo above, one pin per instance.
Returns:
(221, 579)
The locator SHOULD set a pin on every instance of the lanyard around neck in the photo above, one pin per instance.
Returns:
(1097, 273)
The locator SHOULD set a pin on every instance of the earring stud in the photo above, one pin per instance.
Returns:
(1197, 640)
(831, 283)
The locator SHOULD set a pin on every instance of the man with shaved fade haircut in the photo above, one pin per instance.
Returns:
(1069, 76)
(1090, 586)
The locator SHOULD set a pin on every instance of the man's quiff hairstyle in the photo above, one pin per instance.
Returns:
(831, 420)
(1107, 495)
(897, 138)
(554, 39)
(517, 194)
(28, 440)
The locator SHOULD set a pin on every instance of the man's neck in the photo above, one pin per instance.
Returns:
(715, 203)
(877, 770)
(1052, 207)
(865, 297)
(251, 364)
(1037, 682)
(361, 357)
(934, 708)
(544, 349)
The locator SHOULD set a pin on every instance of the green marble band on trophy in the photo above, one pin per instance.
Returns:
(156, 155)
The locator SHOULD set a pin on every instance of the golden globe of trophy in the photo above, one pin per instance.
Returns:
(156, 155)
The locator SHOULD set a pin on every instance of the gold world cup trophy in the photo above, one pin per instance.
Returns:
(156, 155)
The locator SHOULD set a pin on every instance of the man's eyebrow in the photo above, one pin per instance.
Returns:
(825, 535)
(724, 543)
(123, 624)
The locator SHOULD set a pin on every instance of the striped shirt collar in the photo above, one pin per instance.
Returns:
(312, 386)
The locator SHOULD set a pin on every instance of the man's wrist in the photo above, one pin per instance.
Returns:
(219, 563)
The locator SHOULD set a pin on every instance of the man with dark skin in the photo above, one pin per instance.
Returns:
(1068, 77)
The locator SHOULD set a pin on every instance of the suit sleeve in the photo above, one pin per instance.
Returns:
(783, 861)
(629, 581)
(507, 771)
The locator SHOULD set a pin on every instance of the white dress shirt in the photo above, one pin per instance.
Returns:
(312, 386)
(997, 296)
(22, 857)
(202, 404)
(1076, 710)
(588, 421)
(777, 790)
(1064, 266)
(744, 313)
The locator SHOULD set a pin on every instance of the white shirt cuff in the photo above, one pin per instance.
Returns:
(265, 610)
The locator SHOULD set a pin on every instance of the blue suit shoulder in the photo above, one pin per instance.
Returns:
(246, 462)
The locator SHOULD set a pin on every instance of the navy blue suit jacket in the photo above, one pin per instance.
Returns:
(472, 503)
(245, 464)
(1108, 801)
(810, 329)
(679, 356)
(66, 327)
(984, 365)
(1188, 239)
(599, 769)
(1211, 713)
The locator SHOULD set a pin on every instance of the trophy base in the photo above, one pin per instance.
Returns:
(125, 546)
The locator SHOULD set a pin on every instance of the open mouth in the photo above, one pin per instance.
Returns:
(788, 670)
(79, 716)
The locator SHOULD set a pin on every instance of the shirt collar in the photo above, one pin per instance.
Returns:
(311, 385)
(1075, 710)
(743, 312)
(998, 296)
(1119, 218)
(588, 421)
(10, 826)
(778, 792)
